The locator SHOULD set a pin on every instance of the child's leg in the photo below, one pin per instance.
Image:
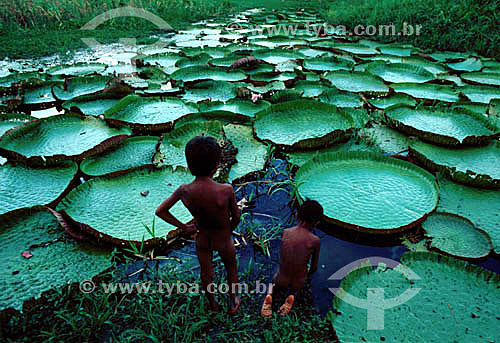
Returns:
(228, 257)
(205, 257)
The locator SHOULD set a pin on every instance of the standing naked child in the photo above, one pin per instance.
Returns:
(215, 211)
(298, 246)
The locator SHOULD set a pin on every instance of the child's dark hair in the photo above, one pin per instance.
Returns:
(310, 212)
(202, 155)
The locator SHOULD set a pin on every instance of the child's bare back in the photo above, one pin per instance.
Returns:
(215, 213)
(297, 247)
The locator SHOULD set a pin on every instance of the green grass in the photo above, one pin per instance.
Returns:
(462, 25)
(40, 27)
(69, 315)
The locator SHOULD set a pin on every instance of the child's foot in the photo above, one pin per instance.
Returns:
(235, 305)
(267, 307)
(287, 306)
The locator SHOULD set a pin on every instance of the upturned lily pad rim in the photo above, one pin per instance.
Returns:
(235, 118)
(103, 238)
(466, 77)
(328, 139)
(154, 139)
(468, 178)
(433, 248)
(440, 139)
(58, 159)
(372, 156)
(142, 128)
(89, 98)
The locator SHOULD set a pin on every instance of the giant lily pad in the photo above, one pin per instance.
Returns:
(11, 120)
(339, 98)
(449, 127)
(79, 69)
(212, 91)
(373, 193)
(277, 56)
(401, 72)
(481, 94)
(61, 137)
(171, 149)
(357, 82)
(21, 186)
(456, 236)
(429, 298)
(224, 117)
(40, 97)
(56, 259)
(428, 91)
(252, 154)
(149, 114)
(477, 166)
(245, 107)
(480, 206)
(130, 153)
(328, 64)
(482, 78)
(92, 104)
(200, 73)
(118, 208)
(396, 99)
(302, 124)
(470, 64)
(80, 86)
(385, 139)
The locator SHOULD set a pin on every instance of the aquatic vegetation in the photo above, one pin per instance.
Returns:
(372, 193)
(449, 294)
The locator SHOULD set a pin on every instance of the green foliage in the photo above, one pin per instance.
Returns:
(463, 25)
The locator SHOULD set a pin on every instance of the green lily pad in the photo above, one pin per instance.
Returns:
(302, 124)
(170, 152)
(328, 64)
(11, 79)
(446, 300)
(149, 114)
(212, 91)
(357, 82)
(444, 56)
(476, 166)
(80, 86)
(200, 73)
(285, 95)
(166, 61)
(456, 236)
(252, 154)
(118, 208)
(480, 206)
(470, 64)
(61, 137)
(224, 61)
(373, 193)
(397, 50)
(21, 186)
(432, 67)
(62, 261)
(481, 94)
(449, 127)
(78, 69)
(241, 106)
(272, 86)
(428, 91)
(276, 56)
(130, 153)
(92, 104)
(472, 107)
(197, 60)
(396, 99)
(482, 78)
(401, 72)
(311, 89)
(269, 77)
(40, 97)
(356, 49)
(339, 98)
(224, 117)
(385, 139)
(11, 120)
(214, 52)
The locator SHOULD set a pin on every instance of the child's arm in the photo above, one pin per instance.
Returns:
(235, 210)
(163, 211)
(315, 258)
